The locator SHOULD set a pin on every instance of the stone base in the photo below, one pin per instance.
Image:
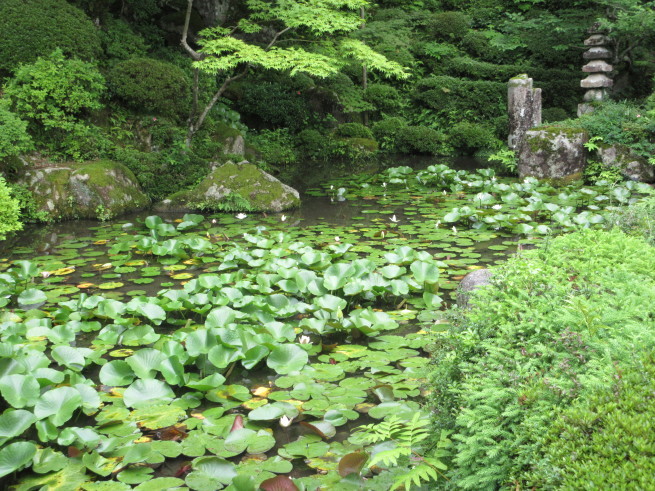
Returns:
(632, 166)
(585, 109)
(553, 153)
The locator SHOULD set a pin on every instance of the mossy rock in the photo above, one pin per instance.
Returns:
(554, 153)
(236, 187)
(102, 190)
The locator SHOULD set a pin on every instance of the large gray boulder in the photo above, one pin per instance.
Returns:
(101, 190)
(553, 153)
(472, 281)
(235, 187)
(632, 166)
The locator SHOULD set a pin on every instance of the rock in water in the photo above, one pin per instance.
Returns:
(473, 280)
(102, 189)
(236, 187)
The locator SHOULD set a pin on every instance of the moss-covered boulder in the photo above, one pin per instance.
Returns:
(630, 164)
(102, 190)
(555, 153)
(236, 187)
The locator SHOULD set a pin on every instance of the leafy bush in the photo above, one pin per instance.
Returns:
(620, 122)
(9, 211)
(276, 147)
(419, 139)
(120, 42)
(14, 139)
(275, 104)
(353, 130)
(552, 114)
(554, 327)
(385, 98)
(451, 99)
(449, 25)
(602, 441)
(469, 138)
(637, 219)
(55, 92)
(33, 27)
(386, 132)
(150, 85)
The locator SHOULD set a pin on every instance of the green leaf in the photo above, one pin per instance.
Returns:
(245, 439)
(287, 358)
(58, 404)
(147, 393)
(31, 296)
(116, 372)
(48, 460)
(20, 390)
(14, 423)
(15, 456)
(210, 473)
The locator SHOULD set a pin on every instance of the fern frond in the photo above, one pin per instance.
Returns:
(390, 457)
(419, 474)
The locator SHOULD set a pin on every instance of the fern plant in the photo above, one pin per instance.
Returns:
(406, 448)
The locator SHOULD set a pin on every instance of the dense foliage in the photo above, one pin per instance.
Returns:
(544, 359)
(9, 211)
(33, 28)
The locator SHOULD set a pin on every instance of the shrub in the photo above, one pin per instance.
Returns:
(33, 27)
(275, 147)
(385, 98)
(449, 25)
(554, 327)
(552, 114)
(9, 211)
(353, 130)
(637, 219)
(152, 86)
(14, 139)
(120, 42)
(469, 138)
(451, 99)
(55, 92)
(419, 139)
(386, 132)
(275, 104)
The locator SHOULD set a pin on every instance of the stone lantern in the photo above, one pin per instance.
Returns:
(597, 69)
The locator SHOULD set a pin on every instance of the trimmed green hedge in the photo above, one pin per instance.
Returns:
(529, 373)
(150, 85)
(33, 28)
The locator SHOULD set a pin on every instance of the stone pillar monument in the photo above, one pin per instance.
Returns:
(524, 107)
(597, 68)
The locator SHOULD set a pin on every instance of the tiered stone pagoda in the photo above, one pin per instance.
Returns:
(597, 68)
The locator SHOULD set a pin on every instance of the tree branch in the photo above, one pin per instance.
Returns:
(275, 38)
(194, 54)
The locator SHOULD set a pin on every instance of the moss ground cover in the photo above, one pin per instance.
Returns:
(182, 351)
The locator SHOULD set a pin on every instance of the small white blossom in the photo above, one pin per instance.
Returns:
(285, 421)
(304, 340)
(213, 220)
(436, 225)
(337, 239)
(384, 184)
(241, 216)
(394, 219)
(283, 218)
(454, 230)
(45, 274)
(497, 207)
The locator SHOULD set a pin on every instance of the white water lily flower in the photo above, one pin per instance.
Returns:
(283, 218)
(304, 340)
(384, 184)
(213, 220)
(45, 274)
(285, 421)
(444, 192)
(241, 216)
(436, 225)
(394, 219)
(337, 239)
(497, 207)
(454, 230)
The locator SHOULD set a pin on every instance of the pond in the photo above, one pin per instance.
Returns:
(240, 351)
